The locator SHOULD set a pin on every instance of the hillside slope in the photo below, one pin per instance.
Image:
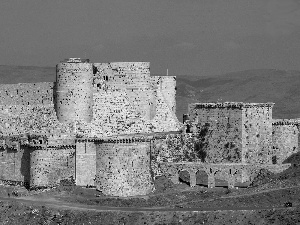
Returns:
(280, 87)
(26, 74)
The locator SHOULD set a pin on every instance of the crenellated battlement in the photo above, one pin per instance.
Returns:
(231, 105)
(278, 122)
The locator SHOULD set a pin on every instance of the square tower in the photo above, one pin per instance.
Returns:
(233, 132)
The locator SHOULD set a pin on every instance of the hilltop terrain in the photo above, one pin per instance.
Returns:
(261, 85)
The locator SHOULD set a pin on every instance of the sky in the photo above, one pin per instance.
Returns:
(187, 37)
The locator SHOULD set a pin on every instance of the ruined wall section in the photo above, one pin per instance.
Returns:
(218, 131)
(257, 132)
(285, 138)
(74, 100)
(26, 93)
(123, 168)
(49, 166)
(85, 163)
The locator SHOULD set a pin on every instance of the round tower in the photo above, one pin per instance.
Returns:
(50, 165)
(123, 167)
(74, 90)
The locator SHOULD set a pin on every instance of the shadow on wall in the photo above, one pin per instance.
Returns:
(184, 177)
(202, 142)
(25, 166)
(54, 96)
(293, 159)
(202, 178)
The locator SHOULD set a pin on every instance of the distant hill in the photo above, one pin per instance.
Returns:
(268, 85)
(280, 87)
(26, 74)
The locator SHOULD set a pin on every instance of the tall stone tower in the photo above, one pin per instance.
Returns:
(74, 90)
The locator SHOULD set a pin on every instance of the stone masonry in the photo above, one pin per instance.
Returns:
(233, 132)
(55, 131)
(285, 140)
(123, 167)
(113, 126)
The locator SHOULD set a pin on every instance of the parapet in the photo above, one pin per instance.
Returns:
(128, 68)
(234, 105)
(278, 122)
(75, 60)
(129, 138)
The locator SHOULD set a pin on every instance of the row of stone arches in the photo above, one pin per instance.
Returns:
(201, 177)
(204, 177)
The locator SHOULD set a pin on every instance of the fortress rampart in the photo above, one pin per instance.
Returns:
(257, 133)
(85, 162)
(233, 132)
(285, 140)
(110, 125)
(15, 164)
(123, 167)
(131, 77)
(220, 131)
(26, 94)
(50, 165)
(67, 124)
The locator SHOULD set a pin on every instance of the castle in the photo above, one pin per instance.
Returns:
(113, 126)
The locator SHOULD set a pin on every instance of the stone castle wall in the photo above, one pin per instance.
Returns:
(115, 114)
(15, 164)
(285, 140)
(74, 91)
(50, 165)
(85, 163)
(123, 167)
(120, 75)
(140, 103)
(233, 132)
(134, 78)
(107, 98)
(257, 133)
(26, 93)
(218, 129)
(20, 119)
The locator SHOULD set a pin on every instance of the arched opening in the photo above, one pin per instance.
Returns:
(184, 177)
(202, 178)
(221, 178)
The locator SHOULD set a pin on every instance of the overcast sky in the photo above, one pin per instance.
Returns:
(195, 37)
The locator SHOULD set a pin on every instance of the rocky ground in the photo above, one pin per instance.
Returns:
(271, 199)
